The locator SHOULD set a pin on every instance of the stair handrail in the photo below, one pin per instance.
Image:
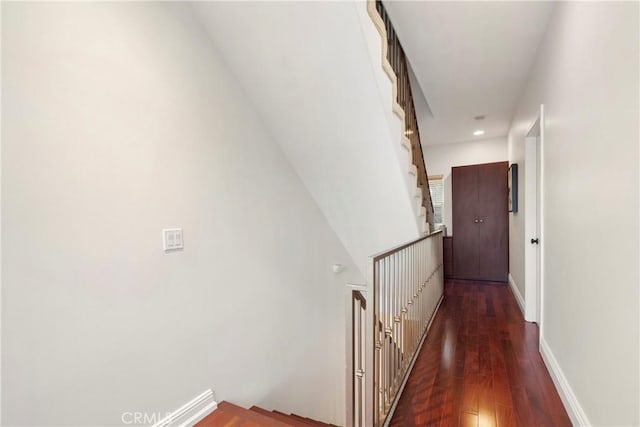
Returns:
(399, 75)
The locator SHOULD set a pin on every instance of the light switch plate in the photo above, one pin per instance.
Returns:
(172, 239)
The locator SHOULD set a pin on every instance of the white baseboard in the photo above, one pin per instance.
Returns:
(569, 399)
(516, 293)
(191, 412)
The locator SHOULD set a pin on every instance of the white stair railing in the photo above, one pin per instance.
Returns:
(404, 289)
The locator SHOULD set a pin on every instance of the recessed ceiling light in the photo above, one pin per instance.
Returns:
(478, 132)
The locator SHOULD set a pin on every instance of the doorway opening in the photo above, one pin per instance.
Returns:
(534, 221)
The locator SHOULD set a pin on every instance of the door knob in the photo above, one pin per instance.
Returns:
(534, 241)
(475, 220)
(481, 221)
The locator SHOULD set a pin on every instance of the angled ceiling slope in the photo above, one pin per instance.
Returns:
(306, 68)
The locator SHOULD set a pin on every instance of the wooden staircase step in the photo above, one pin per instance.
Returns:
(280, 417)
(219, 418)
(308, 421)
(228, 415)
(305, 422)
(312, 422)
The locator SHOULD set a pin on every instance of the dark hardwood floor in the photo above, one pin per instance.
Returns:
(480, 366)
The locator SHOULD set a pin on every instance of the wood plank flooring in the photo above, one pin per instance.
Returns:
(480, 366)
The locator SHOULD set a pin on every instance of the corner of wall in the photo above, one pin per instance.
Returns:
(516, 293)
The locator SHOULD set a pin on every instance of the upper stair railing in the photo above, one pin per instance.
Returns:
(389, 316)
(397, 60)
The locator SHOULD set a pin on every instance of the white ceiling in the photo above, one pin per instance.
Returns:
(470, 59)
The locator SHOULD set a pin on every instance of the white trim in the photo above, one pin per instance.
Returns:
(531, 231)
(0, 226)
(568, 397)
(516, 293)
(191, 412)
(541, 232)
(356, 287)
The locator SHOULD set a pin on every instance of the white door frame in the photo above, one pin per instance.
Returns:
(534, 221)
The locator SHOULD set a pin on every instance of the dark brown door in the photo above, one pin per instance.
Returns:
(480, 222)
(493, 221)
(464, 188)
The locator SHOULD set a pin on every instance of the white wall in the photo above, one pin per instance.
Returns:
(586, 75)
(307, 68)
(119, 120)
(442, 157)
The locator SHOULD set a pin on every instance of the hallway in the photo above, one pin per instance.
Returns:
(480, 366)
